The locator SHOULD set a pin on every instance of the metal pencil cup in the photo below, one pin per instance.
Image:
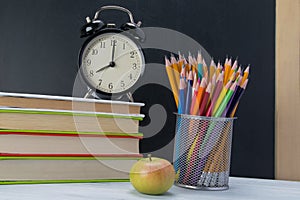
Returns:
(202, 152)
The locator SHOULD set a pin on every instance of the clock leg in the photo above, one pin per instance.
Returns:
(89, 93)
(129, 96)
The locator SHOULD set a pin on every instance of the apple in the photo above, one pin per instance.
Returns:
(152, 175)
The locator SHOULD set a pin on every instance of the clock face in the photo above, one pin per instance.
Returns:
(111, 63)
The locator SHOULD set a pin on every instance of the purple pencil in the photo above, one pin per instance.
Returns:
(236, 91)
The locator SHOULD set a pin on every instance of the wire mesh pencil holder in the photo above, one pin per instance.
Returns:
(202, 152)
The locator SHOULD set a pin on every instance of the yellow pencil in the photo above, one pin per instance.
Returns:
(176, 71)
(175, 64)
(172, 80)
(221, 97)
(213, 84)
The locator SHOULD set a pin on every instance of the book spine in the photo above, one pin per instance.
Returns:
(106, 135)
(28, 156)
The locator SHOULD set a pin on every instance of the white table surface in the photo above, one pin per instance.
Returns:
(240, 188)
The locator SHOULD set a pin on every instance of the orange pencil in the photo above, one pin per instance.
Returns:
(227, 70)
(245, 74)
(194, 110)
(232, 77)
(239, 71)
(233, 69)
(180, 60)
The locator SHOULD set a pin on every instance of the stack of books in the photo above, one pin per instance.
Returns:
(45, 139)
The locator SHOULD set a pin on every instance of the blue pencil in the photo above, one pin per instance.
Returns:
(189, 93)
(200, 65)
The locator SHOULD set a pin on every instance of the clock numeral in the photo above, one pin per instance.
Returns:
(122, 83)
(94, 52)
(132, 54)
(124, 46)
(91, 73)
(88, 62)
(100, 81)
(113, 42)
(134, 67)
(110, 86)
(102, 45)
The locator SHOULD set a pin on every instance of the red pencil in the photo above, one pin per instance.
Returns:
(205, 100)
(195, 94)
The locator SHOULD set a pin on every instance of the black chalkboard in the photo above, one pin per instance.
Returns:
(40, 43)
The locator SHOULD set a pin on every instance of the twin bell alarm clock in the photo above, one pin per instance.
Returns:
(111, 61)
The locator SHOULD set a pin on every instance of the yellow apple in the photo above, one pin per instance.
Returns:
(152, 175)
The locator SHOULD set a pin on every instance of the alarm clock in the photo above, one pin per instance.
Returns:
(111, 61)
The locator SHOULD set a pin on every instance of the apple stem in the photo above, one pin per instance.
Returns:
(149, 156)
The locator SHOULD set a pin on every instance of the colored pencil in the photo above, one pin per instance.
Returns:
(212, 69)
(172, 80)
(215, 95)
(200, 65)
(195, 95)
(205, 69)
(195, 109)
(225, 100)
(232, 109)
(204, 101)
(227, 68)
(221, 97)
(245, 74)
(181, 104)
(189, 93)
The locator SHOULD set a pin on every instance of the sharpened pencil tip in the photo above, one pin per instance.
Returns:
(168, 63)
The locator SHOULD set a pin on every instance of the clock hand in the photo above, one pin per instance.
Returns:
(113, 53)
(111, 64)
(103, 68)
